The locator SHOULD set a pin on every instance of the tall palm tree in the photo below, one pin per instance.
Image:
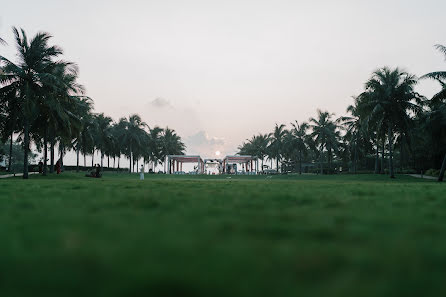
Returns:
(134, 136)
(354, 128)
(439, 100)
(28, 76)
(325, 135)
(276, 144)
(301, 137)
(391, 100)
(103, 134)
(154, 150)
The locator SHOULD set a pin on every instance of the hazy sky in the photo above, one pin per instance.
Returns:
(220, 71)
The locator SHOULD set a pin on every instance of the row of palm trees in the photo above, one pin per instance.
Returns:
(42, 102)
(387, 115)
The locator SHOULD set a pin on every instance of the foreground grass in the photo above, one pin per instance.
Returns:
(214, 236)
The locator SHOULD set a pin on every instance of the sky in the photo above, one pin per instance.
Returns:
(219, 72)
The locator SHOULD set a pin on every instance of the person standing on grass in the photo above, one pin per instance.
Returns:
(141, 173)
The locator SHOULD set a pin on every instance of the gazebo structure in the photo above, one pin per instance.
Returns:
(230, 164)
(175, 163)
(213, 166)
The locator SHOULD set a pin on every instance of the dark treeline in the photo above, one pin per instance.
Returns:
(42, 104)
(389, 128)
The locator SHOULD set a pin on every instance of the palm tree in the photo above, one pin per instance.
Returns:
(276, 144)
(354, 129)
(10, 121)
(134, 136)
(153, 152)
(439, 100)
(391, 100)
(301, 136)
(325, 135)
(103, 134)
(28, 77)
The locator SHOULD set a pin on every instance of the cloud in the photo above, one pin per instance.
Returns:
(201, 143)
(161, 103)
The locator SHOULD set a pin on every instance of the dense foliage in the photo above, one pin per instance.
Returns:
(389, 127)
(43, 105)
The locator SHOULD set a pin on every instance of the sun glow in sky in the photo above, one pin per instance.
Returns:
(220, 71)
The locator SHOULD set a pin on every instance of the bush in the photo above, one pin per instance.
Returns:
(432, 172)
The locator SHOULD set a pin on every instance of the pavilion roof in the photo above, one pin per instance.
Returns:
(239, 159)
(185, 158)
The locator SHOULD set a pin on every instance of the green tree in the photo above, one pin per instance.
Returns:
(391, 100)
(28, 77)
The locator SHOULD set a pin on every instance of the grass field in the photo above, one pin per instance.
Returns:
(215, 236)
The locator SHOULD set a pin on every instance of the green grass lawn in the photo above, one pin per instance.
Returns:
(215, 236)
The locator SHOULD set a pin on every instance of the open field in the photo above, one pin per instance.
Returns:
(213, 236)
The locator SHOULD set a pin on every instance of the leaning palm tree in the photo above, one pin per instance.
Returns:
(438, 101)
(28, 76)
(391, 100)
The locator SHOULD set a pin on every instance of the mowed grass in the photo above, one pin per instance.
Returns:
(178, 236)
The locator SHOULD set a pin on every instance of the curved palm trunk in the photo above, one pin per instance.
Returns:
(443, 168)
(392, 174)
(10, 153)
(26, 148)
(61, 157)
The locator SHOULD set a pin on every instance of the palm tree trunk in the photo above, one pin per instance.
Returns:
(108, 161)
(102, 159)
(114, 161)
(77, 159)
(45, 152)
(377, 158)
(320, 160)
(26, 148)
(443, 168)
(300, 161)
(392, 174)
(52, 156)
(383, 156)
(277, 164)
(119, 159)
(92, 159)
(85, 162)
(61, 157)
(356, 158)
(130, 164)
(10, 152)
